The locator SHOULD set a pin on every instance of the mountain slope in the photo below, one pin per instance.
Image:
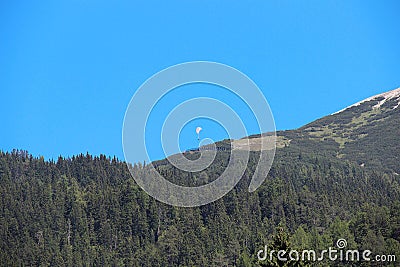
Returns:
(367, 132)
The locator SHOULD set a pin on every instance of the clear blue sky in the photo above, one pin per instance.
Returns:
(69, 68)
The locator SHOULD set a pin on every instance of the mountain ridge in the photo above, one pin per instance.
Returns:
(395, 93)
(366, 132)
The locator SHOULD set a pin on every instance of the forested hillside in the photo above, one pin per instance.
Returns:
(88, 211)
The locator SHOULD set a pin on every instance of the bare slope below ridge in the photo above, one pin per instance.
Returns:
(367, 132)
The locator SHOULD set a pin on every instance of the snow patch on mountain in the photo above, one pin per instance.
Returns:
(386, 96)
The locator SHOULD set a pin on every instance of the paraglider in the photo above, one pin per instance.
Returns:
(198, 129)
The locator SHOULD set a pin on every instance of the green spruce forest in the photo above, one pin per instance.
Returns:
(328, 181)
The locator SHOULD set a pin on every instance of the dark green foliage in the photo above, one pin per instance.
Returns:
(88, 211)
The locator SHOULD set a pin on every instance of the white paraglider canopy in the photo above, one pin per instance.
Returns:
(198, 129)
